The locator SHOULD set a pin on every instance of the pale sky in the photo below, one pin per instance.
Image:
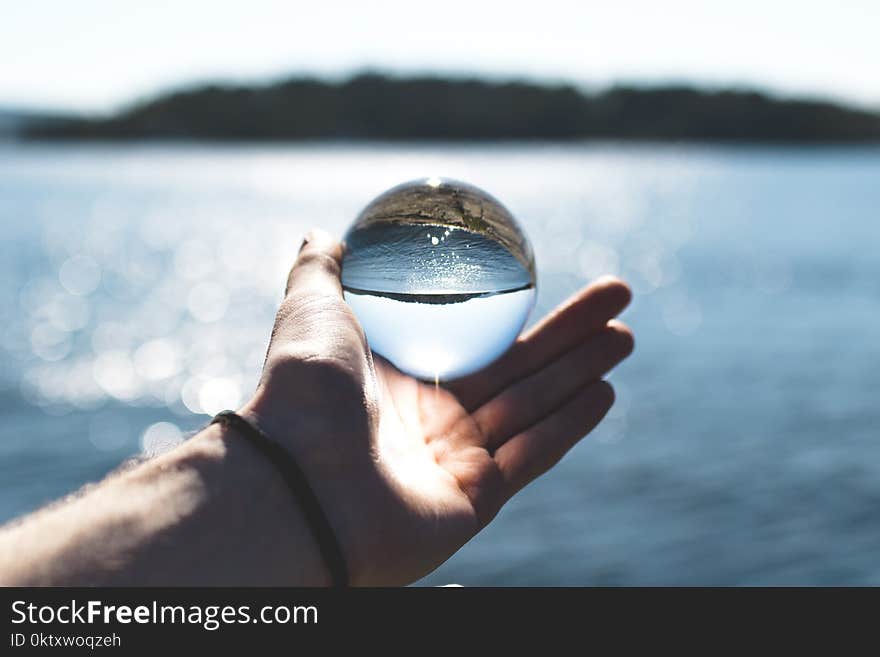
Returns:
(96, 55)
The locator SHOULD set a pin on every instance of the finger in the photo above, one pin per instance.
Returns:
(314, 321)
(582, 315)
(527, 401)
(537, 449)
(318, 267)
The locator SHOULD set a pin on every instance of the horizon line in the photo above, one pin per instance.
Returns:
(583, 87)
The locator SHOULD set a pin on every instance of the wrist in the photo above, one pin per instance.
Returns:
(341, 477)
(255, 510)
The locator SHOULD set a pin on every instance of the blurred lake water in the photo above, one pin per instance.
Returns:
(138, 286)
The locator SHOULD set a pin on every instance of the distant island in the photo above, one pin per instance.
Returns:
(379, 107)
(15, 122)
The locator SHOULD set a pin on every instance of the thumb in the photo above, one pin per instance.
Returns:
(318, 267)
(314, 322)
(318, 365)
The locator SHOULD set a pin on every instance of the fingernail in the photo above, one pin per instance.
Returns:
(320, 238)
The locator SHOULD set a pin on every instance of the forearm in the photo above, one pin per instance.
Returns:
(211, 512)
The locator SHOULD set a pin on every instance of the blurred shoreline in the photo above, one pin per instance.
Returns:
(369, 108)
(375, 145)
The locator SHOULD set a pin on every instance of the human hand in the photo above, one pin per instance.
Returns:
(407, 472)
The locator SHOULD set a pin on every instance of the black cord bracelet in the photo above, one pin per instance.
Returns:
(287, 466)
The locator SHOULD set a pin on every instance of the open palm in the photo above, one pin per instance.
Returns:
(407, 471)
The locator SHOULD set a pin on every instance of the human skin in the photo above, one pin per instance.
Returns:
(405, 472)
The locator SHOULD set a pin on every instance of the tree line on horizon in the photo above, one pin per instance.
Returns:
(378, 107)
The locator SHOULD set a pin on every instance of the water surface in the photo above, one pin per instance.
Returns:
(138, 286)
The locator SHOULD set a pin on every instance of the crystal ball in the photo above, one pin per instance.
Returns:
(440, 276)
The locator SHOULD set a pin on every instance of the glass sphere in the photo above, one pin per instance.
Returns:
(441, 277)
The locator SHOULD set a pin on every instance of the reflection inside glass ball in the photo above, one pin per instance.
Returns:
(441, 277)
